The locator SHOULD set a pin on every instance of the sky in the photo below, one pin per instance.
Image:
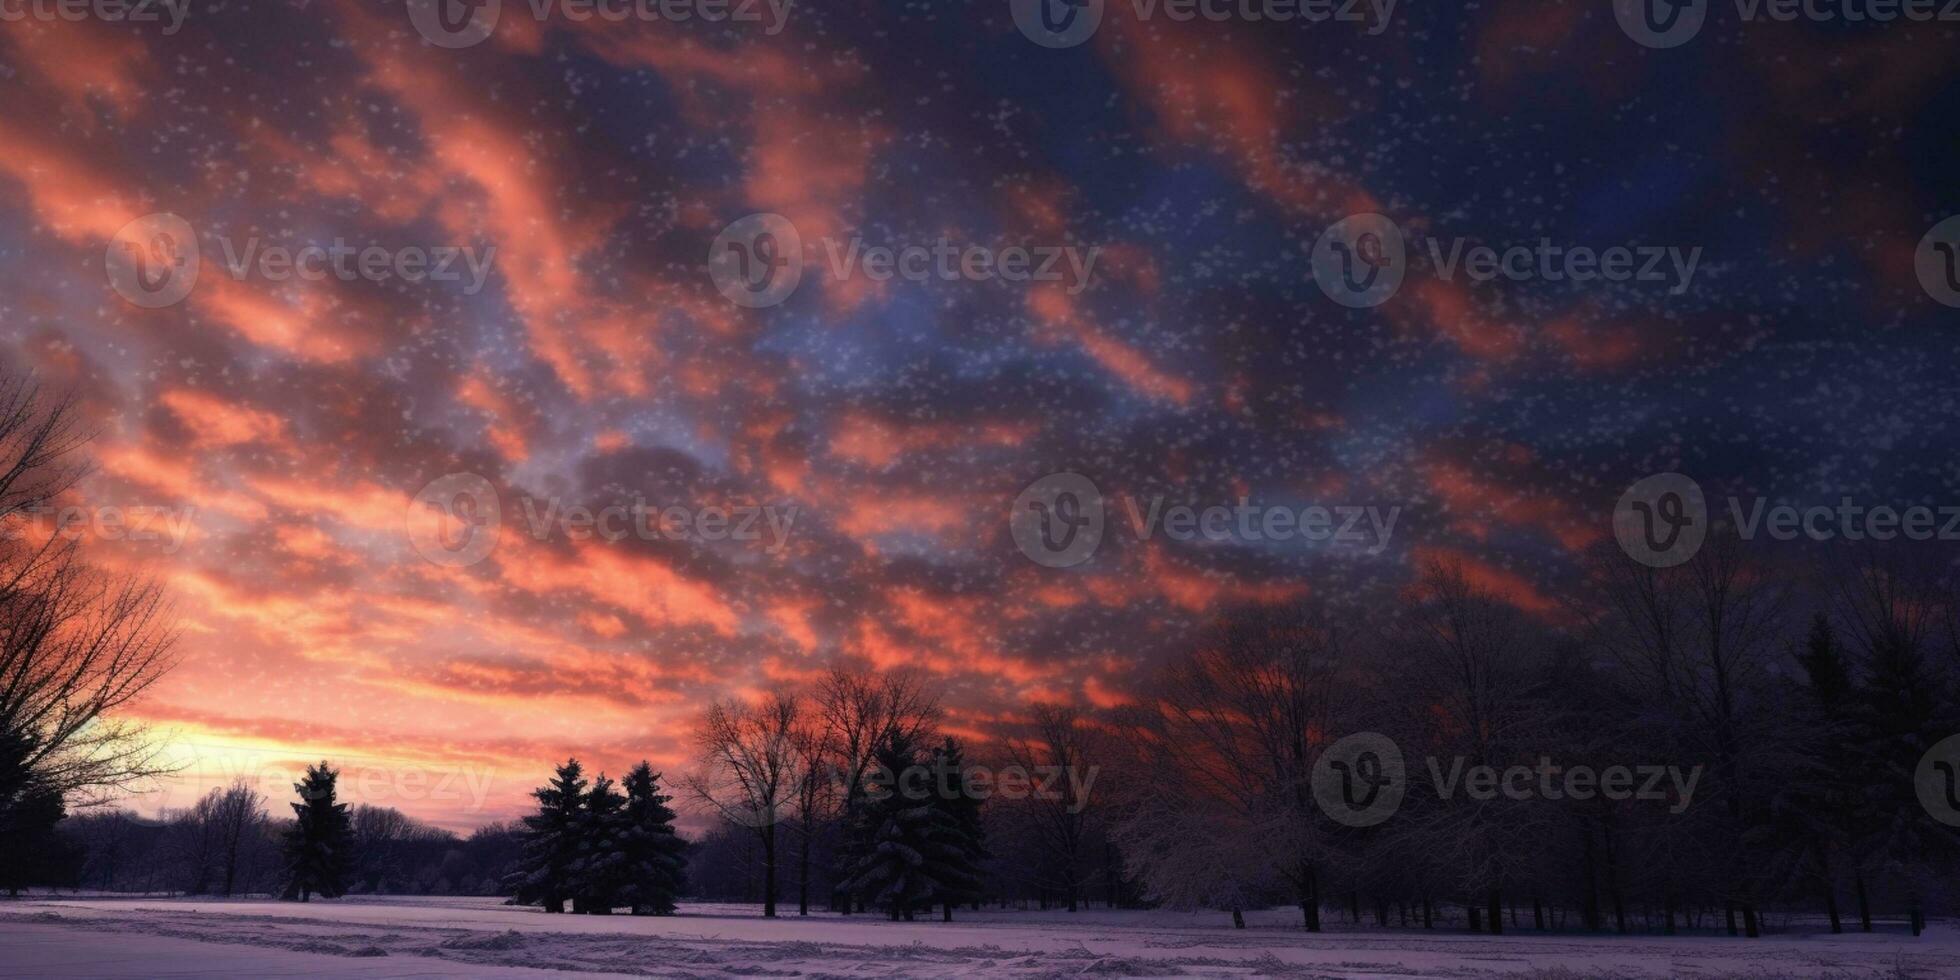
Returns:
(352, 484)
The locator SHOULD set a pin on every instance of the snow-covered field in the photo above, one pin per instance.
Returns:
(130, 937)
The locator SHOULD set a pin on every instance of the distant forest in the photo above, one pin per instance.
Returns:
(1815, 711)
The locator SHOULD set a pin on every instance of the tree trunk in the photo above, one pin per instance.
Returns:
(1864, 903)
(1496, 913)
(803, 873)
(1238, 918)
(1590, 906)
(1310, 897)
(769, 871)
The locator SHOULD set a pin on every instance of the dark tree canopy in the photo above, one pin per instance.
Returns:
(319, 847)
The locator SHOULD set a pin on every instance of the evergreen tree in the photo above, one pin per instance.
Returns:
(1813, 813)
(892, 835)
(33, 852)
(1825, 665)
(1902, 709)
(551, 841)
(600, 872)
(318, 854)
(962, 839)
(655, 861)
(912, 850)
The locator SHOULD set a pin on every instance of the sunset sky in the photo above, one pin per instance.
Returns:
(287, 425)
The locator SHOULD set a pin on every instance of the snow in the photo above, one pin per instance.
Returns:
(402, 937)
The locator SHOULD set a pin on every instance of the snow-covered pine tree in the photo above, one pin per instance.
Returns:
(655, 855)
(550, 841)
(910, 852)
(600, 871)
(960, 839)
(317, 845)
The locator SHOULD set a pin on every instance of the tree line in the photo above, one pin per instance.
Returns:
(1801, 703)
(1811, 694)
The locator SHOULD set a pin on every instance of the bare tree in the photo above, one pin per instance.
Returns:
(1697, 642)
(385, 842)
(751, 771)
(242, 820)
(1469, 661)
(220, 839)
(76, 645)
(1060, 739)
(858, 709)
(1236, 723)
(816, 795)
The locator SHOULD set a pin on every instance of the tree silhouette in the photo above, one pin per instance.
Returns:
(317, 851)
